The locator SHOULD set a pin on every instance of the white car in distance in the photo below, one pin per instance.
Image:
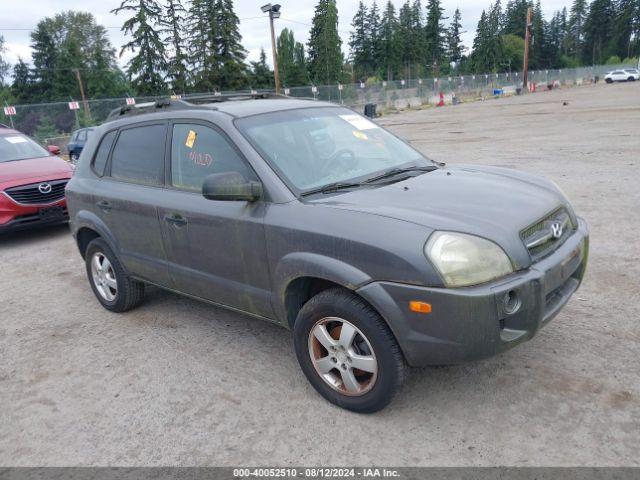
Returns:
(628, 75)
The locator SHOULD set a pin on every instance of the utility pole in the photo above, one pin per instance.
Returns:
(85, 103)
(527, 41)
(274, 12)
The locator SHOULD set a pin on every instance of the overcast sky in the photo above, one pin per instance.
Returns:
(17, 18)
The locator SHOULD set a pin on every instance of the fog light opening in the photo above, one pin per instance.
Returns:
(511, 302)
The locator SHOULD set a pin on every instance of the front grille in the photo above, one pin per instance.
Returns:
(32, 195)
(546, 235)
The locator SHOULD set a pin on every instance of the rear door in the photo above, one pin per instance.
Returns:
(216, 249)
(132, 183)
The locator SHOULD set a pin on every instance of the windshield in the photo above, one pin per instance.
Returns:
(19, 147)
(314, 147)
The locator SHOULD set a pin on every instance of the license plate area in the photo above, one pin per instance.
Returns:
(558, 275)
(51, 213)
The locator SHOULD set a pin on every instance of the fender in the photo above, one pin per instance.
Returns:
(305, 264)
(87, 219)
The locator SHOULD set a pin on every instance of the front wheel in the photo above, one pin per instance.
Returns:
(347, 351)
(632, 79)
(608, 80)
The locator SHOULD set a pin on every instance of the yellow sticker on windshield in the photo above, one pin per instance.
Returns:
(360, 135)
(191, 139)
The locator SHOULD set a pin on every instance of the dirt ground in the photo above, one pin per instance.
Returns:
(178, 382)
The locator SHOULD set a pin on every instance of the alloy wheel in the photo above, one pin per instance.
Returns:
(104, 277)
(343, 356)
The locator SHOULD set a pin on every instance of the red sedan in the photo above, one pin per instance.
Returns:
(32, 183)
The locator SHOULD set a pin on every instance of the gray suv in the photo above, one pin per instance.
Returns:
(313, 217)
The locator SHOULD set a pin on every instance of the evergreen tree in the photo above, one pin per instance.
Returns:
(21, 86)
(435, 40)
(515, 17)
(553, 41)
(174, 35)
(417, 38)
(406, 38)
(44, 58)
(623, 28)
(373, 40)
(229, 47)
(291, 62)
(4, 65)
(455, 47)
(564, 28)
(324, 48)
(261, 75)
(598, 31)
(411, 38)
(201, 38)
(538, 41)
(389, 43)
(359, 44)
(577, 18)
(488, 54)
(147, 68)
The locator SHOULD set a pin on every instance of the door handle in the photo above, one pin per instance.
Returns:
(104, 206)
(176, 220)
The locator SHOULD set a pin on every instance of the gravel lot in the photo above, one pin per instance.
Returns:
(178, 382)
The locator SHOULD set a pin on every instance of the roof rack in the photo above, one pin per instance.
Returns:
(190, 103)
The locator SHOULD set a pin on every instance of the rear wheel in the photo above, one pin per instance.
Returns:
(113, 288)
(347, 352)
(632, 79)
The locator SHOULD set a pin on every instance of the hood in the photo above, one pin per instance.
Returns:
(490, 202)
(44, 168)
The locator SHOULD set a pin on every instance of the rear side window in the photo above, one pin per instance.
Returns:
(138, 155)
(100, 160)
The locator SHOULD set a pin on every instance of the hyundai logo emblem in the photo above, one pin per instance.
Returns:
(556, 229)
(44, 188)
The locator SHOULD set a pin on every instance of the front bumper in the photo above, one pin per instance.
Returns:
(471, 323)
(15, 216)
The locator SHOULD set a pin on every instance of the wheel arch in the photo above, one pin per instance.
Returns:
(86, 227)
(299, 276)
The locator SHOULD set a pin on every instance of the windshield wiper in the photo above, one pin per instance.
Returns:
(399, 171)
(332, 187)
(337, 186)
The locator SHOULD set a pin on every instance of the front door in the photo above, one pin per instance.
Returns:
(216, 249)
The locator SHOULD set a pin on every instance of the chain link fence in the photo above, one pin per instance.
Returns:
(52, 123)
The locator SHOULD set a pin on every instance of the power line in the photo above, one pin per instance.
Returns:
(18, 29)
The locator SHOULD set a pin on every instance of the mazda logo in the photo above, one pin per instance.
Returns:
(44, 188)
(556, 229)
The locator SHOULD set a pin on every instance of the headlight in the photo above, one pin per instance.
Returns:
(465, 260)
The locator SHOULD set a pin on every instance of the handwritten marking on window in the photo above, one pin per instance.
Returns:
(201, 159)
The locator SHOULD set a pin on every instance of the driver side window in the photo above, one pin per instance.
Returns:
(198, 151)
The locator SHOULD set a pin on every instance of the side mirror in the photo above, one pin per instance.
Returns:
(231, 187)
(53, 149)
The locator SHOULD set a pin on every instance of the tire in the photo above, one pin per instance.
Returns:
(74, 157)
(632, 79)
(373, 348)
(113, 288)
(609, 81)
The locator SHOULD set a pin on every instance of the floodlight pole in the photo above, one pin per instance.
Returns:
(276, 74)
(527, 41)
